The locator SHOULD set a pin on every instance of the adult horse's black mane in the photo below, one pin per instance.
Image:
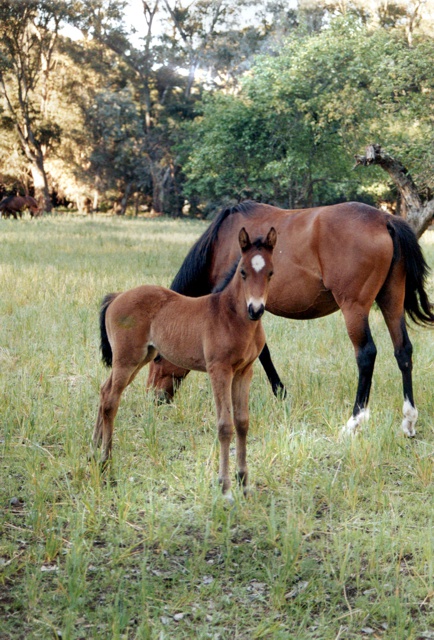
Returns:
(227, 278)
(192, 278)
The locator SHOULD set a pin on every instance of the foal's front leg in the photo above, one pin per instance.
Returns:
(240, 402)
(221, 381)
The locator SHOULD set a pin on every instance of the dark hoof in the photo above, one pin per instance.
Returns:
(279, 391)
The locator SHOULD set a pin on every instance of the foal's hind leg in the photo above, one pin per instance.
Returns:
(110, 396)
(240, 402)
(391, 305)
(356, 319)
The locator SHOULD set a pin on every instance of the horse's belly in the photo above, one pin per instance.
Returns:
(302, 302)
(183, 352)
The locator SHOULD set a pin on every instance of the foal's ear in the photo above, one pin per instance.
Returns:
(244, 240)
(270, 240)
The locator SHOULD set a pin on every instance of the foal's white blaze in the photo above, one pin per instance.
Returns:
(410, 417)
(355, 422)
(258, 263)
(257, 303)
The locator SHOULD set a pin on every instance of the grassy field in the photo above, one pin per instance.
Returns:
(336, 540)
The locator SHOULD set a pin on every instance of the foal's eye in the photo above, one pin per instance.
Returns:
(243, 274)
(270, 274)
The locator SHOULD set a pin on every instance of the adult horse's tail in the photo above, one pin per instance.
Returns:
(106, 350)
(193, 278)
(407, 248)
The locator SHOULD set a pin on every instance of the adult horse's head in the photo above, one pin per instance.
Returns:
(256, 269)
(34, 208)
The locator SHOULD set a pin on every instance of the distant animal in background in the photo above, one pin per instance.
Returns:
(87, 206)
(220, 333)
(14, 205)
(344, 256)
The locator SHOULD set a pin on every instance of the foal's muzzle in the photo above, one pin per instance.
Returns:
(255, 313)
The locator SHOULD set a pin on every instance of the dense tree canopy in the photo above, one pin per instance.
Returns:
(291, 132)
(214, 101)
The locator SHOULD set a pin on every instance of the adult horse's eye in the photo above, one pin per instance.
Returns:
(243, 274)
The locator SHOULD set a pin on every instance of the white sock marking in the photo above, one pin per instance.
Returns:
(410, 417)
(258, 263)
(353, 424)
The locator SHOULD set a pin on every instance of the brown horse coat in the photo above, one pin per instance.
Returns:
(14, 205)
(219, 333)
(345, 257)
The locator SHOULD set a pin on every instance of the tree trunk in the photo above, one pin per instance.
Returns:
(40, 183)
(157, 189)
(419, 215)
(124, 200)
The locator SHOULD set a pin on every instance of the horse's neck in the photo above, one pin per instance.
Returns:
(232, 300)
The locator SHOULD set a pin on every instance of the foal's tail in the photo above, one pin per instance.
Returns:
(106, 350)
(407, 248)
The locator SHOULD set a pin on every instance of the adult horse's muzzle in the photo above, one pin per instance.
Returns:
(255, 311)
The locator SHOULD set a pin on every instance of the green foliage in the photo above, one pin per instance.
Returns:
(291, 133)
(117, 131)
(109, 114)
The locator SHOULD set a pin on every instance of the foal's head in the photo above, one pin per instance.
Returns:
(256, 269)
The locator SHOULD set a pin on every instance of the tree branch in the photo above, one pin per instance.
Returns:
(418, 214)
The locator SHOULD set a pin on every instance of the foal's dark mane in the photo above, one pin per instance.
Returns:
(192, 278)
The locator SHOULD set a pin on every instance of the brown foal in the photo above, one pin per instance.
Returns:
(220, 333)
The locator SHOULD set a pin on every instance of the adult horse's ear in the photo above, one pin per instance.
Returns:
(270, 240)
(244, 240)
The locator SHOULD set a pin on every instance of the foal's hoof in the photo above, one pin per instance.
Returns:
(229, 498)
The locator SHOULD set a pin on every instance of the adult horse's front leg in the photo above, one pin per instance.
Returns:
(272, 375)
(221, 381)
(240, 402)
(356, 319)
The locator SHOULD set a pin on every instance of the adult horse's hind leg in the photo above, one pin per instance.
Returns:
(390, 302)
(356, 319)
(240, 403)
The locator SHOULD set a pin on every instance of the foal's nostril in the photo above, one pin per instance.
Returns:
(255, 313)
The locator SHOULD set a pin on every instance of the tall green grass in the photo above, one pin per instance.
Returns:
(336, 540)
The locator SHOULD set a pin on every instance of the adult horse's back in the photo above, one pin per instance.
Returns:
(344, 257)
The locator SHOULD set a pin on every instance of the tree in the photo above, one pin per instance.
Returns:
(117, 156)
(301, 112)
(419, 213)
(28, 35)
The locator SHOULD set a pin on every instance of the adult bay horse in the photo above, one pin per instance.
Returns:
(345, 257)
(220, 333)
(14, 205)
